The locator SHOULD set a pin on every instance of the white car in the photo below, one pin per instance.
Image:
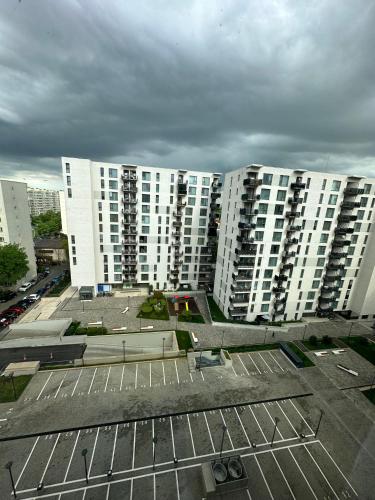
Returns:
(33, 296)
(25, 287)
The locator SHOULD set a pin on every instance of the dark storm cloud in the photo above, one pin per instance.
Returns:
(206, 85)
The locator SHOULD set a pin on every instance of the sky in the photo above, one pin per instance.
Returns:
(205, 85)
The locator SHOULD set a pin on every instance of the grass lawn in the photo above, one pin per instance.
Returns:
(58, 289)
(362, 346)
(319, 345)
(73, 327)
(193, 318)
(92, 330)
(149, 309)
(183, 339)
(248, 348)
(370, 394)
(306, 361)
(6, 388)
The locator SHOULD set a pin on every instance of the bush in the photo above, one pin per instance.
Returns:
(313, 340)
(363, 341)
(158, 295)
(186, 315)
(327, 340)
(91, 330)
(73, 327)
(146, 308)
(152, 302)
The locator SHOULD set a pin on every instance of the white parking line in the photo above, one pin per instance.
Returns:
(172, 435)
(131, 489)
(154, 486)
(175, 365)
(134, 439)
(265, 362)
(264, 479)
(272, 420)
(61, 383)
(177, 485)
(49, 458)
(243, 428)
(106, 382)
(107, 495)
(338, 468)
(136, 376)
(150, 376)
(248, 494)
(92, 381)
(93, 452)
(27, 461)
(200, 371)
(275, 360)
(300, 414)
(75, 385)
(234, 371)
(256, 420)
(162, 363)
(251, 359)
(46, 382)
(303, 475)
(114, 447)
(209, 432)
(122, 376)
(191, 377)
(71, 457)
(282, 473)
(191, 435)
(246, 370)
(224, 422)
(320, 470)
(286, 416)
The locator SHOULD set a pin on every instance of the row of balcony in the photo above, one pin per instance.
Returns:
(129, 188)
(129, 177)
(252, 182)
(128, 200)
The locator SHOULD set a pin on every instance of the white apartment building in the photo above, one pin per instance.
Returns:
(15, 222)
(132, 225)
(43, 200)
(295, 243)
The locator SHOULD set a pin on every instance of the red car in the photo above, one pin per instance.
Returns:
(15, 309)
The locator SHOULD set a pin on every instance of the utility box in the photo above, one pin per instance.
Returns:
(223, 476)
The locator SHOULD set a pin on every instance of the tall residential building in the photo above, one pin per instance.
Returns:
(131, 225)
(15, 222)
(295, 243)
(43, 200)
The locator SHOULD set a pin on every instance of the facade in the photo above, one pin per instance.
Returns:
(64, 228)
(295, 243)
(15, 222)
(50, 251)
(131, 225)
(43, 200)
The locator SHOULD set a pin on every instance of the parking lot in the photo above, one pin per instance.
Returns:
(291, 468)
(76, 382)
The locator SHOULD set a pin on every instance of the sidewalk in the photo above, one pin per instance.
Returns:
(47, 306)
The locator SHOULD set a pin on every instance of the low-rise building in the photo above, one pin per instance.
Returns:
(50, 251)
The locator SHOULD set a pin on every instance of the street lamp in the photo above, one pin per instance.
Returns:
(84, 453)
(123, 348)
(320, 419)
(154, 441)
(9, 467)
(222, 439)
(163, 345)
(274, 430)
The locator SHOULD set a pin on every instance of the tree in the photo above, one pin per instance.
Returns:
(47, 224)
(13, 264)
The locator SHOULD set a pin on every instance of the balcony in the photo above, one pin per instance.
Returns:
(244, 240)
(246, 225)
(340, 243)
(294, 201)
(338, 255)
(174, 280)
(280, 277)
(344, 230)
(129, 232)
(215, 195)
(174, 271)
(292, 214)
(129, 211)
(352, 191)
(349, 205)
(330, 279)
(245, 251)
(129, 177)
(129, 188)
(214, 206)
(288, 255)
(240, 289)
(237, 311)
(239, 301)
(335, 267)
(250, 198)
(182, 188)
(280, 301)
(130, 201)
(176, 244)
(181, 204)
(278, 289)
(286, 267)
(178, 253)
(251, 182)
(177, 223)
(297, 186)
(248, 213)
(293, 228)
(325, 300)
(178, 262)
(177, 233)
(130, 251)
(127, 222)
(291, 241)
(177, 214)
(244, 264)
(242, 277)
(329, 289)
(346, 218)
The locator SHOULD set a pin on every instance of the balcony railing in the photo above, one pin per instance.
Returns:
(250, 198)
(297, 186)
(291, 241)
(325, 300)
(176, 244)
(352, 191)
(292, 214)
(246, 225)
(181, 204)
(214, 195)
(245, 251)
(240, 289)
(244, 264)
(286, 267)
(329, 289)
(330, 279)
(244, 240)
(130, 201)
(346, 218)
(280, 277)
(177, 223)
(242, 277)
(340, 243)
(129, 232)
(182, 188)
(294, 201)
(251, 182)
(129, 188)
(335, 267)
(129, 177)
(349, 205)
(278, 289)
(338, 255)
(129, 211)
(293, 228)
(344, 230)
(248, 213)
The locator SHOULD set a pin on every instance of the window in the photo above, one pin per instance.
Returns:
(204, 202)
(264, 307)
(146, 198)
(101, 171)
(367, 188)
(113, 196)
(321, 250)
(321, 261)
(279, 209)
(267, 179)
(262, 208)
(324, 238)
(69, 192)
(261, 222)
(265, 194)
(203, 212)
(284, 180)
(275, 249)
(145, 219)
(113, 207)
(281, 195)
(146, 229)
(145, 187)
(202, 222)
(68, 180)
(364, 201)
(310, 295)
(113, 185)
(191, 201)
(146, 176)
(308, 306)
(259, 235)
(201, 231)
(193, 179)
(330, 213)
(360, 214)
(277, 236)
(357, 227)
(272, 261)
(266, 296)
(332, 199)
(206, 181)
(268, 273)
(113, 228)
(318, 273)
(205, 191)
(187, 230)
(327, 225)
(192, 190)
(113, 217)
(145, 209)
(335, 185)
(112, 172)
(144, 277)
(67, 168)
(188, 211)
(187, 240)
(279, 223)
(315, 284)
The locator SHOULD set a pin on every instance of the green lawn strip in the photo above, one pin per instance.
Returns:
(6, 388)
(192, 318)
(163, 315)
(58, 289)
(183, 339)
(219, 317)
(311, 346)
(247, 348)
(306, 361)
(73, 327)
(362, 346)
(149, 308)
(92, 330)
(370, 395)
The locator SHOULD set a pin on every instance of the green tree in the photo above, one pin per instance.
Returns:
(13, 264)
(47, 224)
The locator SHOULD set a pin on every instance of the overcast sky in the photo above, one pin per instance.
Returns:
(208, 85)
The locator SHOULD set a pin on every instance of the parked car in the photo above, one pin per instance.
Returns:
(4, 322)
(17, 309)
(8, 315)
(41, 291)
(25, 287)
(23, 303)
(6, 295)
(34, 297)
